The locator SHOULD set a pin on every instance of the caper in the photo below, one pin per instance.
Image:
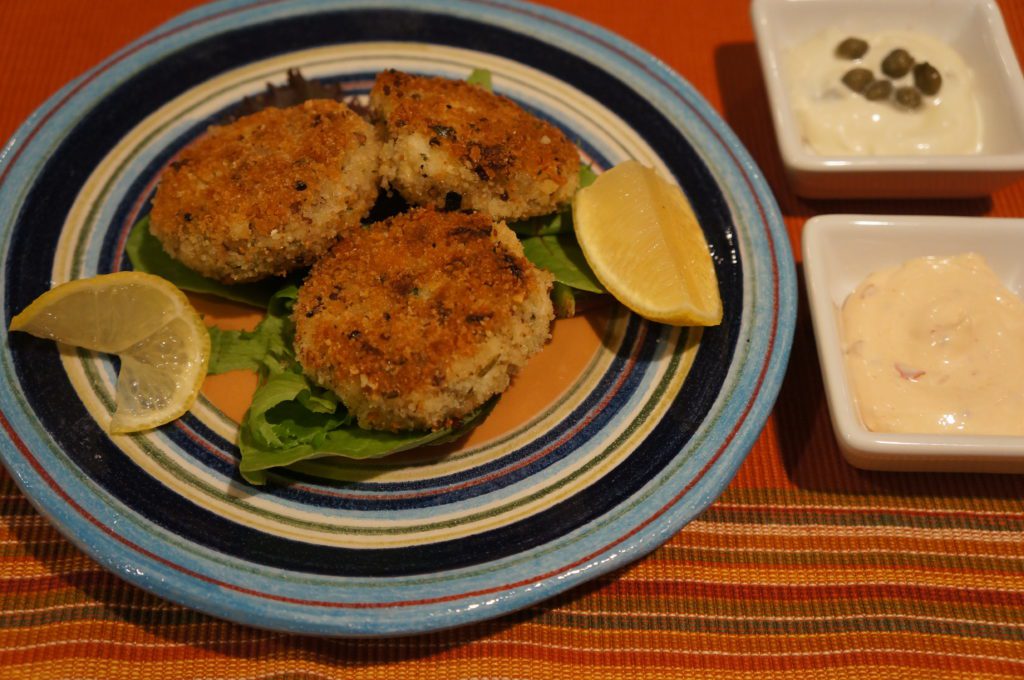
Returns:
(908, 97)
(927, 78)
(851, 48)
(897, 63)
(878, 90)
(857, 79)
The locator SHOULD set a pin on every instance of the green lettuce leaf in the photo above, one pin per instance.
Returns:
(239, 350)
(587, 175)
(544, 225)
(251, 350)
(301, 436)
(561, 255)
(481, 77)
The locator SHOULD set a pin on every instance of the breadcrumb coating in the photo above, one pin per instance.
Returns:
(269, 192)
(418, 320)
(449, 142)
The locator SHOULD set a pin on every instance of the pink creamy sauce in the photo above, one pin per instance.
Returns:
(936, 345)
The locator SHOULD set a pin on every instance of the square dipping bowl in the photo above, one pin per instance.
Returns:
(840, 251)
(973, 28)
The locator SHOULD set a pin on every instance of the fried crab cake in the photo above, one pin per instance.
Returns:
(446, 140)
(269, 192)
(418, 320)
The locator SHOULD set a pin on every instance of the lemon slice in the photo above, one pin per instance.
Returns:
(641, 238)
(146, 321)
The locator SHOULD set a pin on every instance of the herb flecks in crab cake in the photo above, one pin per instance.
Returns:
(448, 143)
(269, 192)
(418, 320)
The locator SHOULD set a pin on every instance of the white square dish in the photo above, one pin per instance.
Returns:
(839, 251)
(973, 28)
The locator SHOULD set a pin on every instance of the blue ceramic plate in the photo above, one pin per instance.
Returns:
(641, 439)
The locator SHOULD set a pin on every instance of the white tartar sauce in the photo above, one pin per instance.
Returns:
(835, 120)
(936, 345)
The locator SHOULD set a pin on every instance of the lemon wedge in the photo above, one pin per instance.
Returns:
(146, 321)
(640, 236)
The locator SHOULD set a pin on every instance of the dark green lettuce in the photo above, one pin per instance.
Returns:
(481, 77)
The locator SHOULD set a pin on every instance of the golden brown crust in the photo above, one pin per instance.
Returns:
(503, 160)
(268, 192)
(400, 315)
